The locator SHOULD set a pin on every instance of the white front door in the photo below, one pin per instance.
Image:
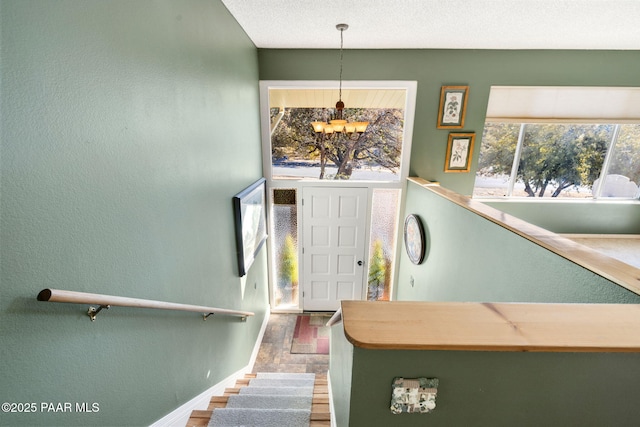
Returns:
(333, 246)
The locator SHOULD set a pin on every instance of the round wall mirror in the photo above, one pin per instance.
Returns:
(414, 240)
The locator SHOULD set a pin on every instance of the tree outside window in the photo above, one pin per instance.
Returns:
(298, 151)
(558, 160)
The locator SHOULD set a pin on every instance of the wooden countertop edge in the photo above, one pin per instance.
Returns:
(611, 269)
(502, 327)
(487, 348)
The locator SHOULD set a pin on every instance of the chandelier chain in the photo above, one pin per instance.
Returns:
(338, 124)
(341, 44)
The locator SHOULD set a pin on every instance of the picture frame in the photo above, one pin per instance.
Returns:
(250, 209)
(414, 239)
(453, 107)
(459, 152)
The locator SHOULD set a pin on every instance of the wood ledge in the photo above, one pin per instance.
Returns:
(532, 327)
(616, 271)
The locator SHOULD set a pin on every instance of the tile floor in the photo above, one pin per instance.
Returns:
(275, 356)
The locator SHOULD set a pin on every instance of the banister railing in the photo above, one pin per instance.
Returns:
(105, 301)
(625, 275)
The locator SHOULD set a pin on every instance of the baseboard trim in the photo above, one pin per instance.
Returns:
(256, 347)
(331, 408)
(180, 416)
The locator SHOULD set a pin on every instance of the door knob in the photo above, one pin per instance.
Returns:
(360, 263)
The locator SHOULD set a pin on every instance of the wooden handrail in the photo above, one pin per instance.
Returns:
(621, 273)
(105, 301)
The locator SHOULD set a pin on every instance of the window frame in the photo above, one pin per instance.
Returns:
(299, 183)
(409, 115)
(596, 190)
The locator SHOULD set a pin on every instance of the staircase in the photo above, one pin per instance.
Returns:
(269, 399)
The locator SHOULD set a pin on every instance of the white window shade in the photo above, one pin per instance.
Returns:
(577, 104)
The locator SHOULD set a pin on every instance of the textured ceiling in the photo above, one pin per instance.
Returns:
(441, 24)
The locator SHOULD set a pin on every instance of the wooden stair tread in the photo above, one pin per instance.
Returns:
(218, 402)
(320, 416)
(199, 418)
(232, 390)
(242, 382)
(321, 407)
(320, 410)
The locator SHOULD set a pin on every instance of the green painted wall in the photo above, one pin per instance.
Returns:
(500, 388)
(126, 128)
(340, 371)
(576, 217)
(470, 258)
(486, 388)
(480, 69)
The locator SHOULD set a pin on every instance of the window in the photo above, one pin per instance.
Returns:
(299, 152)
(382, 247)
(623, 169)
(566, 160)
(285, 246)
(296, 156)
(560, 150)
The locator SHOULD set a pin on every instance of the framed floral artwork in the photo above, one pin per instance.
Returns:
(453, 105)
(459, 152)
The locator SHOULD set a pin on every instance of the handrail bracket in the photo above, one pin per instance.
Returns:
(93, 311)
(206, 315)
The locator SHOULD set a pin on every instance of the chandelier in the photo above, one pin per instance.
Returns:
(339, 125)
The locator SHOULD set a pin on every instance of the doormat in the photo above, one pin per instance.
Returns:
(310, 335)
